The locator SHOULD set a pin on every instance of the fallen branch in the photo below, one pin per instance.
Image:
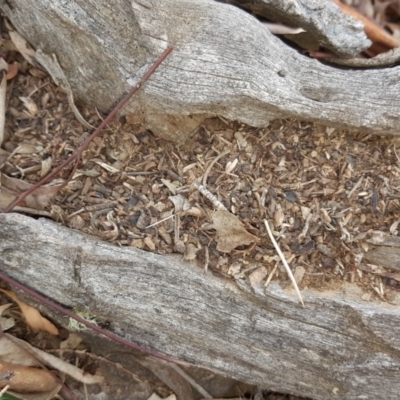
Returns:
(260, 336)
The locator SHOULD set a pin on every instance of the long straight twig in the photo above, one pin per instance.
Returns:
(78, 152)
(283, 259)
(94, 327)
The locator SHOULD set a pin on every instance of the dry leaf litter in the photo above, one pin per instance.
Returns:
(133, 189)
(324, 191)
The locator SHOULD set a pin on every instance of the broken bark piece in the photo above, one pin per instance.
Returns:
(322, 20)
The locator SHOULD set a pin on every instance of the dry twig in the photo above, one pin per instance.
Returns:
(78, 152)
(90, 325)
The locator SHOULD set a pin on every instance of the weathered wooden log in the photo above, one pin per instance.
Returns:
(322, 20)
(225, 63)
(338, 346)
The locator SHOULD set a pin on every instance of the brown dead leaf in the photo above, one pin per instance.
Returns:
(11, 188)
(12, 70)
(190, 251)
(32, 316)
(231, 233)
(16, 351)
(149, 243)
(46, 167)
(257, 276)
(26, 379)
(22, 46)
(30, 105)
(26, 148)
(181, 203)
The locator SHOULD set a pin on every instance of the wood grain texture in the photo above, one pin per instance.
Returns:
(225, 63)
(336, 347)
(323, 20)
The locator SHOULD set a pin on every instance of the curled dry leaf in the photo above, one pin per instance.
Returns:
(149, 243)
(180, 203)
(11, 188)
(46, 166)
(30, 105)
(172, 186)
(9, 346)
(190, 251)
(12, 70)
(26, 379)
(231, 165)
(32, 316)
(231, 233)
(26, 148)
(257, 276)
(22, 46)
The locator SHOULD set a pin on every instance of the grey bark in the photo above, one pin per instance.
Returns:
(338, 346)
(322, 20)
(225, 63)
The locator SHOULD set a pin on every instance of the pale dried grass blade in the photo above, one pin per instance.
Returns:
(56, 363)
(3, 90)
(192, 382)
(22, 46)
(286, 265)
(51, 65)
(5, 388)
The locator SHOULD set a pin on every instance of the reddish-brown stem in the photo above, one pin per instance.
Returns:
(96, 328)
(78, 152)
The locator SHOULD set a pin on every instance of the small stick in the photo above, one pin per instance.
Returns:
(159, 222)
(191, 381)
(78, 152)
(205, 192)
(212, 164)
(267, 282)
(94, 327)
(282, 257)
